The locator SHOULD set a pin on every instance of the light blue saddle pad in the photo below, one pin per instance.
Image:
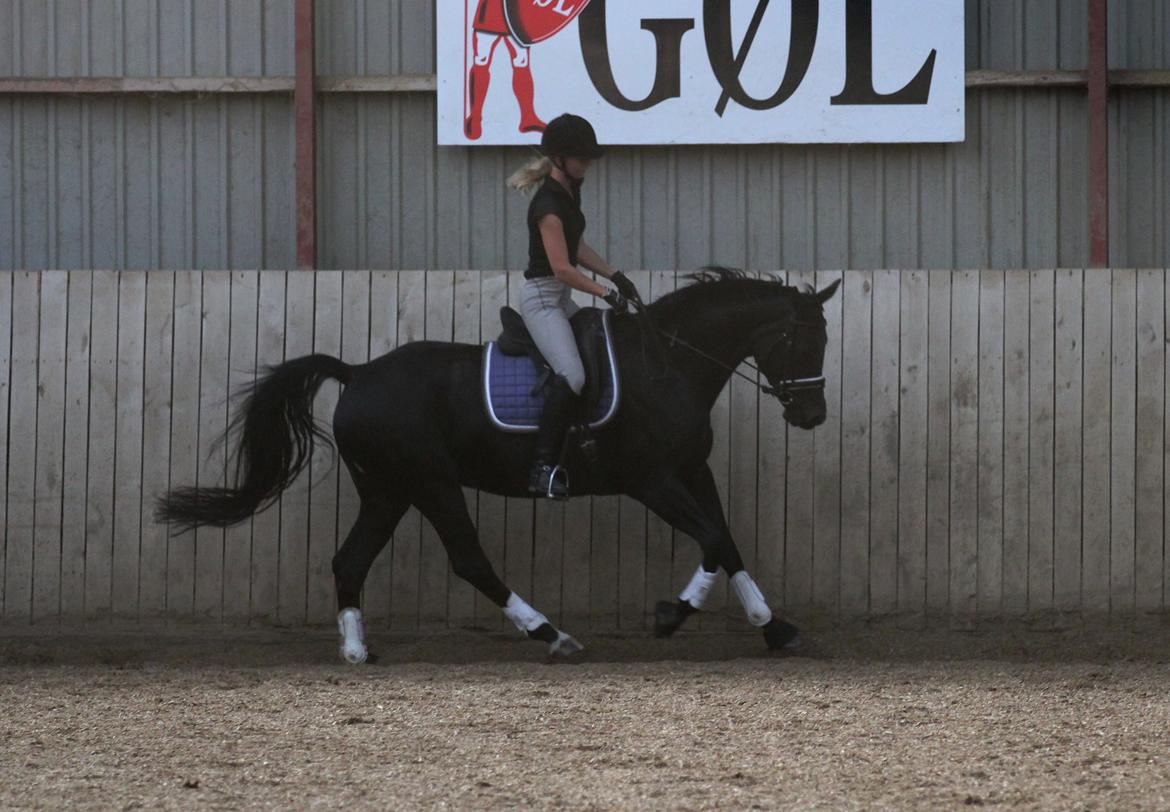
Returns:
(509, 381)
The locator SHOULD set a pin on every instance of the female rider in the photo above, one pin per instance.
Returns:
(555, 248)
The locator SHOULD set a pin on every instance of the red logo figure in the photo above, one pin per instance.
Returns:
(519, 24)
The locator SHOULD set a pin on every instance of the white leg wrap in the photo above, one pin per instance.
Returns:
(524, 616)
(353, 644)
(752, 599)
(699, 588)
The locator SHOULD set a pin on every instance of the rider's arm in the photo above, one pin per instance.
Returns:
(593, 260)
(552, 233)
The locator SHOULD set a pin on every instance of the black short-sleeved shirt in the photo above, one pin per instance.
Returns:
(553, 198)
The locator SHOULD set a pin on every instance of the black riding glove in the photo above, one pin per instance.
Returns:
(627, 288)
(616, 301)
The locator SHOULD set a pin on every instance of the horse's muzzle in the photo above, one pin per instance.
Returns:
(806, 412)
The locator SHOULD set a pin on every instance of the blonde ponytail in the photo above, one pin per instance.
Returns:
(525, 179)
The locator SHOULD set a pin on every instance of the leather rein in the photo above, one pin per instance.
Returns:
(785, 388)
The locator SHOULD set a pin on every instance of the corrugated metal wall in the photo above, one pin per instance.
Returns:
(137, 182)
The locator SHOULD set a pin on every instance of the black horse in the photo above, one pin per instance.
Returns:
(412, 430)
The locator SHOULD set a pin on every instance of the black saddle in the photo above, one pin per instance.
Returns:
(588, 325)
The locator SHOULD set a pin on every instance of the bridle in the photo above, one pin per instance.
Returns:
(787, 387)
(784, 389)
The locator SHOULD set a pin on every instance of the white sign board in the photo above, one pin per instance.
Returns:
(702, 71)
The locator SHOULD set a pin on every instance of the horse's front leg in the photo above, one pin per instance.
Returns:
(692, 505)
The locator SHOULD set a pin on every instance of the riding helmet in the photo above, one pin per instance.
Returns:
(570, 136)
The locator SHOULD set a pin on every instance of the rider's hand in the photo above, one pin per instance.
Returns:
(627, 288)
(616, 301)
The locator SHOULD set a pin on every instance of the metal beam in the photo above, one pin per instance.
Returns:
(400, 83)
(305, 104)
(427, 83)
(140, 84)
(1099, 133)
(1026, 78)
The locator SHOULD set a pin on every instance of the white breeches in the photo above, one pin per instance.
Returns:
(485, 46)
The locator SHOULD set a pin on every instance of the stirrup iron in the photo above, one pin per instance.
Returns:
(560, 474)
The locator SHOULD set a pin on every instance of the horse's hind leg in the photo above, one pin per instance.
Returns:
(445, 508)
(378, 516)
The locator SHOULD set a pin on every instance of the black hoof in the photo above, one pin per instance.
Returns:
(668, 616)
(545, 633)
(778, 634)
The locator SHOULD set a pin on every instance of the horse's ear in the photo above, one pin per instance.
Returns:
(827, 294)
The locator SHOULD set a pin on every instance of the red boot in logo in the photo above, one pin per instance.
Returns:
(522, 86)
(477, 86)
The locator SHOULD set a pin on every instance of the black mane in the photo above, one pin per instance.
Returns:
(725, 278)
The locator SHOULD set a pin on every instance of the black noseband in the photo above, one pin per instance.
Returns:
(785, 388)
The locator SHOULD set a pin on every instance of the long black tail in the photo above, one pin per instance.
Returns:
(277, 431)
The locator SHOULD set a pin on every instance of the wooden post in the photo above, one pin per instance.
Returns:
(305, 104)
(1099, 133)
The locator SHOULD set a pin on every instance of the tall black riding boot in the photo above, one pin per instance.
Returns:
(547, 478)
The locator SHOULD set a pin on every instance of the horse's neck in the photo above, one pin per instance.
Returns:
(722, 332)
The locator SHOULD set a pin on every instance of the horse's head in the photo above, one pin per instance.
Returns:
(791, 354)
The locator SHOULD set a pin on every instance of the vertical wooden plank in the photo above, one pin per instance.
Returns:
(1016, 419)
(404, 597)
(22, 448)
(659, 534)
(547, 556)
(518, 518)
(433, 565)
(1165, 464)
(826, 563)
(6, 322)
(383, 339)
(128, 443)
(913, 442)
(855, 395)
(460, 594)
(632, 542)
(1095, 550)
(50, 388)
(76, 437)
(799, 508)
(213, 415)
(1041, 439)
(355, 350)
(884, 444)
(990, 510)
(938, 510)
(964, 442)
(184, 463)
(1123, 443)
(323, 469)
(103, 381)
(492, 509)
(1066, 553)
(156, 439)
(294, 504)
(265, 563)
(237, 553)
(1151, 384)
